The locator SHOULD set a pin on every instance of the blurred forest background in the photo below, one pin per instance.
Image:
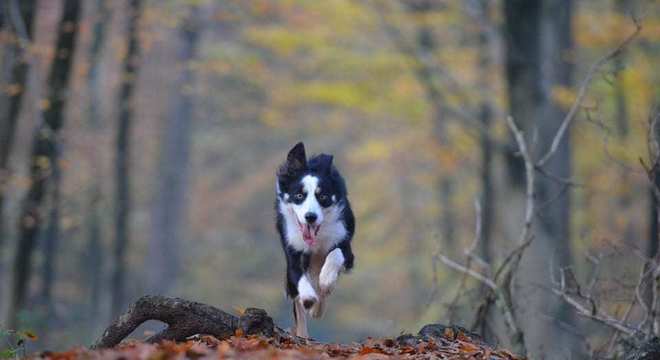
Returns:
(139, 141)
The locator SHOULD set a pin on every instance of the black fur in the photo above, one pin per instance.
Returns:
(289, 177)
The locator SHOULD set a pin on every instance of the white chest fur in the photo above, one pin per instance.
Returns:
(332, 230)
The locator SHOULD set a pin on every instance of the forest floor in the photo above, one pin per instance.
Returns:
(451, 345)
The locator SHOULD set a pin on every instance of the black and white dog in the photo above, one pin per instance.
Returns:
(316, 224)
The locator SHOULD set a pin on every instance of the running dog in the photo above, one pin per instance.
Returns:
(316, 225)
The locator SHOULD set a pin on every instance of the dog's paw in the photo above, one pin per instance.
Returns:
(327, 289)
(327, 281)
(334, 263)
(306, 293)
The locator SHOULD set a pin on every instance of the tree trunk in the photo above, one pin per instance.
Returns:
(123, 193)
(94, 254)
(553, 194)
(619, 87)
(51, 239)
(522, 37)
(14, 69)
(654, 235)
(486, 106)
(538, 39)
(93, 262)
(653, 242)
(485, 85)
(426, 45)
(42, 155)
(620, 97)
(521, 34)
(169, 213)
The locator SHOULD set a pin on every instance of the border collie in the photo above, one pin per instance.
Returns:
(316, 225)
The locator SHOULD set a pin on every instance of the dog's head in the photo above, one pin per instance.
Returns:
(309, 189)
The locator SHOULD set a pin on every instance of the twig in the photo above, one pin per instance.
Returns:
(626, 315)
(478, 234)
(477, 276)
(583, 91)
(502, 293)
(596, 260)
(511, 256)
(594, 314)
(529, 174)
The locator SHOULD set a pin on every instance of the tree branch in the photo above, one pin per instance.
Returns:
(594, 313)
(583, 91)
(477, 276)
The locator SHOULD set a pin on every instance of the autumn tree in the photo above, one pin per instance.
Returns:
(538, 38)
(486, 43)
(170, 204)
(16, 20)
(43, 157)
(93, 263)
(123, 199)
(623, 9)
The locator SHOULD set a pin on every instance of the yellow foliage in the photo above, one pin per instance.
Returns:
(284, 42)
(651, 29)
(601, 30)
(374, 149)
(640, 88)
(563, 96)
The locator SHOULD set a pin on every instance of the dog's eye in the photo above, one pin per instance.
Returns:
(300, 196)
(323, 197)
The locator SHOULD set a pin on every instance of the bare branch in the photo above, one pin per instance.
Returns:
(583, 91)
(594, 314)
(529, 174)
(469, 252)
(477, 276)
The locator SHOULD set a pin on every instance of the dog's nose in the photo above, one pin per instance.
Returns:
(311, 217)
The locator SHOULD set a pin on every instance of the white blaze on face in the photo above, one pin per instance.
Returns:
(310, 204)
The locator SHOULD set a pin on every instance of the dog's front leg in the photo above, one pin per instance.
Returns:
(300, 289)
(296, 268)
(333, 265)
(299, 320)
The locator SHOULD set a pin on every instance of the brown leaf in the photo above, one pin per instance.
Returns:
(368, 350)
(468, 347)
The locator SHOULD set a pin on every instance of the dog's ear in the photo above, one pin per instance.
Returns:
(325, 161)
(296, 160)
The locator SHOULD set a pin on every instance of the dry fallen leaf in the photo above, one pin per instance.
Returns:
(259, 347)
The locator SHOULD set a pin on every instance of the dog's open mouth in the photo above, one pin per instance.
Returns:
(309, 233)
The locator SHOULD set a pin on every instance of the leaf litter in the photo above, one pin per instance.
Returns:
(259, 347)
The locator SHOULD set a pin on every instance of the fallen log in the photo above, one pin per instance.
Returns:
(186, 318)
(225, 335)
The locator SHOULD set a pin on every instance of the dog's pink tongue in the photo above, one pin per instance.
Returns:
(308, 235)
